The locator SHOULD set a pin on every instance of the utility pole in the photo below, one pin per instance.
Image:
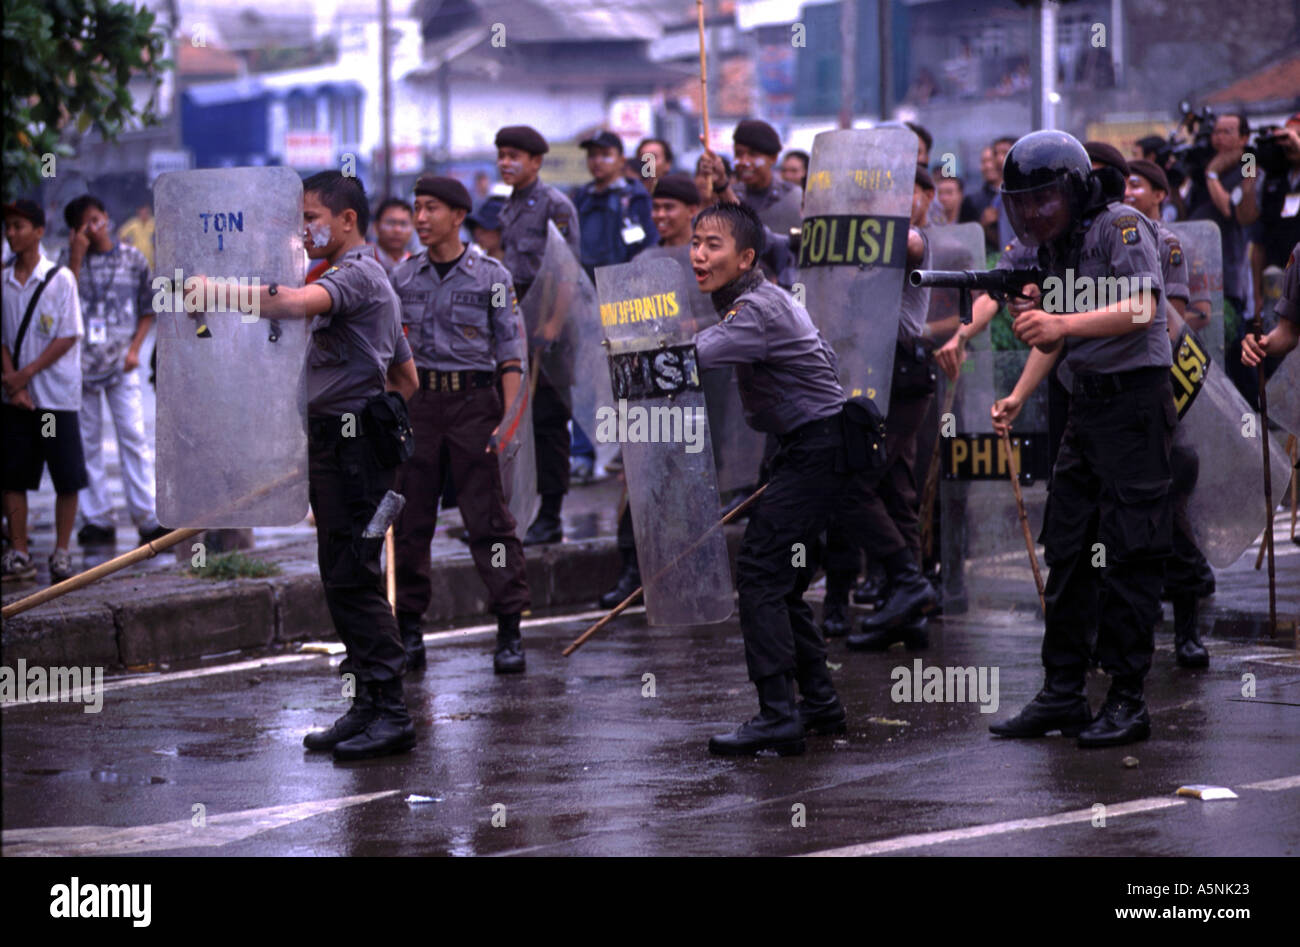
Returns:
(385, 96)
(848, 59)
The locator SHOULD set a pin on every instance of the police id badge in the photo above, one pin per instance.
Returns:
(97, 326)
(632, 232)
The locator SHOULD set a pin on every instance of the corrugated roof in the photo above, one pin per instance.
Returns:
(1277, 82)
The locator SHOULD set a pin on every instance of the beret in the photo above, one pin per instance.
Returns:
(524, 137)
(678, 187)
(758, 135)
(1151, 171)
(448, 190)
(1108, 155)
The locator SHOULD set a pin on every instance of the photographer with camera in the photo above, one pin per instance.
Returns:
(1277, 231)
(1223, 193)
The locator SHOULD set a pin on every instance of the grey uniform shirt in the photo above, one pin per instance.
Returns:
(779, 207)
(467, 321)
(1118, 243)
(914, 304)
(353, 343)
(523, 228)
(701, 305)
(1173, 263)
(1288, 304)
(786, 372)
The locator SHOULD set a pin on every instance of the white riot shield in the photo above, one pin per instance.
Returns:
(1283, 393)
(853, 249)
(1226, 507)
(985, 563)
(561, 306)
(232, 405)
(1203, 248)
(661, 422)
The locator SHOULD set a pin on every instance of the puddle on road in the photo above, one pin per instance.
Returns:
(125, 779)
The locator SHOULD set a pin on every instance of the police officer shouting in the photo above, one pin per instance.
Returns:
(463, 326)
(789, 386)
(523, 239)
(356, 347)
(1110, 484)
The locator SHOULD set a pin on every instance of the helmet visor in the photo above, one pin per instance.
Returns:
(1040, 214)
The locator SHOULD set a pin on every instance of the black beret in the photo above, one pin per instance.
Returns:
(677, 186)
(1109, 155)
(923, 178)
(29, 209)
(1151, 171)
(603, 139)
(759, 136)
(448, 190)
(524, 137)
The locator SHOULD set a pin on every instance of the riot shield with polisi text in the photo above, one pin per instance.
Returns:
(853, 249)
(660, 421)
(232, 400)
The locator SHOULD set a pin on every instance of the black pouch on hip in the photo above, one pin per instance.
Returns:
(864, 434)
(388, 426)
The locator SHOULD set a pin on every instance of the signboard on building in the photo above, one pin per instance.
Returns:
(308, 150)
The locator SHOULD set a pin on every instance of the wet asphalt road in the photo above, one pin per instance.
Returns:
(584, 764)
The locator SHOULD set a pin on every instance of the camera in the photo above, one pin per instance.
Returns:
(1270, 157)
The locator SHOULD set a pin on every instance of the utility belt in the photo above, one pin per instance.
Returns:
(433, 380)
(1099, 385)
(383, 422)
(821, 426)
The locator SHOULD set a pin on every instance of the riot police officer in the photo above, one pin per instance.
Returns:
(523, 239)
(462, 323)
(789, 386)
(1110, 484)
(357, 348)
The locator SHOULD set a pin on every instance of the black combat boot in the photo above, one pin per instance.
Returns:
(910, 595)
(914, 634)
(820, 710)
(1123, 718)
(629, 580)
(1188, 650)
(1060, 705)
(389, 731)
(349, 725)
(872, 588)
(509, 657)
(412, 639)
(777, 726)
(546, 528)
(835, 610)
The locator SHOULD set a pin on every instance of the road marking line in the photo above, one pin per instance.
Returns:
(921, 840)
(275, 661)
(220, 829)
(924, 839)
(1273, 785)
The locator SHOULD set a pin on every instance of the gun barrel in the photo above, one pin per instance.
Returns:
(952, 279)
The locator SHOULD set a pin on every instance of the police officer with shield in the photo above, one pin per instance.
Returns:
(357, 350)
(789, 386)
(1109, 516)
(523, 238)
(463, 326)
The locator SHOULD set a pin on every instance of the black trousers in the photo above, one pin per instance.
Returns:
(1187, 570)
(551, 439)
(780, 551)
(888, 519)
(345, 485)
(1109, 525)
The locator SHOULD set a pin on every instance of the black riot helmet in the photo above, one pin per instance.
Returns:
(1046, 186)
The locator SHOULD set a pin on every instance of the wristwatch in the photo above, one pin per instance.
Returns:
(272, 289)
(1211, 175)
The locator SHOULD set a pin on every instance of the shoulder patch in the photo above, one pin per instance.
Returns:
(1175, 251)
(731, 314)
(1128, 228)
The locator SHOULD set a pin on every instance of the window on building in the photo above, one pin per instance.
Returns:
(302, 113)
